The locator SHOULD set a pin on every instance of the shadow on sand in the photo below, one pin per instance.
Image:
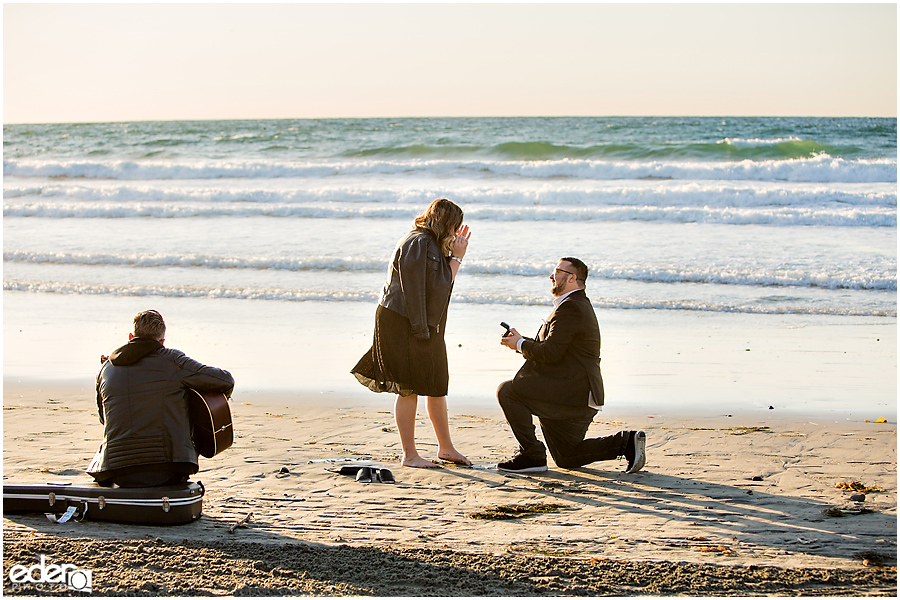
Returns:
(203, 558)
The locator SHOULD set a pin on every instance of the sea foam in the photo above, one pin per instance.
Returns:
(821, 168)
(289, 295)
(864, 277)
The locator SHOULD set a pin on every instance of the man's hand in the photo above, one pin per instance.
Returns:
(512, 339)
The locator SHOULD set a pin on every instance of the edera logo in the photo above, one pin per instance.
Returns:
(51, 577)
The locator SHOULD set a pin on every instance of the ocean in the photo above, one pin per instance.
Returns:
(787, 218)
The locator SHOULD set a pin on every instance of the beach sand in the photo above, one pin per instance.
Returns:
(725, 506)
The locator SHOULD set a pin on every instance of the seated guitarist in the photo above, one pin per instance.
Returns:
(141, 399)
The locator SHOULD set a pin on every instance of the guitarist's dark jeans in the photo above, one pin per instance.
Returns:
(149, 476)
(149, 479)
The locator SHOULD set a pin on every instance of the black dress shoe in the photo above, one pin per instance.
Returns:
(523, 464)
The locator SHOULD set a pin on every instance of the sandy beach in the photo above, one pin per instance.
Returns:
(732, 501)
(725, 506)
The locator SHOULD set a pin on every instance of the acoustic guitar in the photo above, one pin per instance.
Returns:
(211, 422)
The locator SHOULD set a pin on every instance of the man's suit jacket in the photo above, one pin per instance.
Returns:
(563, 361)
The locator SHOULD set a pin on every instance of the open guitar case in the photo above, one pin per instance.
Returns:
(62, 501)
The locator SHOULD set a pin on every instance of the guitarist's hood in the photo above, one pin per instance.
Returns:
(136, 349)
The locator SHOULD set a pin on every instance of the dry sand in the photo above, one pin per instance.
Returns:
(725, 506)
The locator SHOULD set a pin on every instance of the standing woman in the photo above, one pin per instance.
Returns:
(408, 355)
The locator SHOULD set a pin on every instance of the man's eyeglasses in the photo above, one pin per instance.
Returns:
(564, 271)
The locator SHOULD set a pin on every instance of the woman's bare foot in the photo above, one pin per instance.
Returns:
(419, 463)
(453, 456)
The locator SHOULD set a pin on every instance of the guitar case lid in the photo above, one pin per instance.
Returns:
(165, 505)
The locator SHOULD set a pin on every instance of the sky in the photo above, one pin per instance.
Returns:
(120, 62)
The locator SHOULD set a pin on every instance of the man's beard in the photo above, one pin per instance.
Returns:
(556, 290)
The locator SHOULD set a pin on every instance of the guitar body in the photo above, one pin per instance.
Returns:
(211, 421)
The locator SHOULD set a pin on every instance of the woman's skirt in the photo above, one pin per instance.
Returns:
(399, 363)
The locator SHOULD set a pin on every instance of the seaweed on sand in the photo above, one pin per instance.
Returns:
(502, 512)
(858, 486)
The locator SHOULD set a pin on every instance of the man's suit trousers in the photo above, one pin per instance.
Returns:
(564, 428)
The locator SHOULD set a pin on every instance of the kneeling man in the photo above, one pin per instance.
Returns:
(560, 383)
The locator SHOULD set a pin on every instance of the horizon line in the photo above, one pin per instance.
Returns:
(660, 116)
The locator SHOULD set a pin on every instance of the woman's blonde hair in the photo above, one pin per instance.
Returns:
(443, 219)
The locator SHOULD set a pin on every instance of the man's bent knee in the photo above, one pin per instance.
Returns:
(504, 392)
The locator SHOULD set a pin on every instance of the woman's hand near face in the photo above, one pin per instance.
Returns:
(461, 241)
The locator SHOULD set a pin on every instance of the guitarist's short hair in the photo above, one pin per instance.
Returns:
(149, 324)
